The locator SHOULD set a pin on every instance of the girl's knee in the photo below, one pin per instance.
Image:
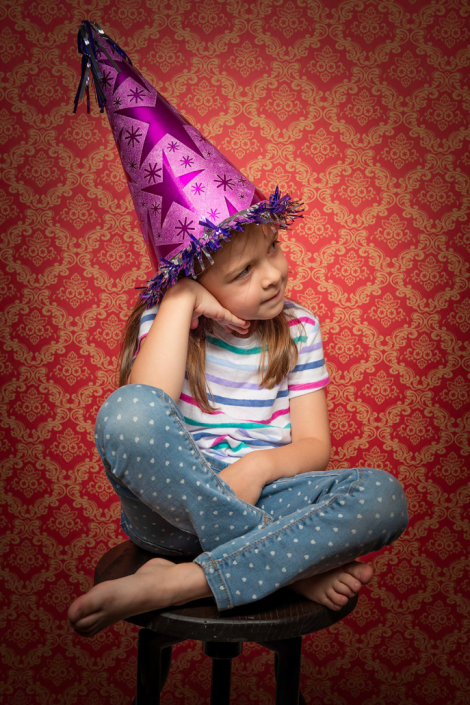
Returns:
(134, 409)
(389, 496)
(135, 403)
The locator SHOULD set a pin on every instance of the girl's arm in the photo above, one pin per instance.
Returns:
(161, 360)
(311, 444)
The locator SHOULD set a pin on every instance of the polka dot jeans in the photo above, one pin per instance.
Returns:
(174, 503)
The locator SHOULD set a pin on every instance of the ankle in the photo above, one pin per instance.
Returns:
(190, 582)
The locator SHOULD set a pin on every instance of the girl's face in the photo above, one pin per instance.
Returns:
(248, 271)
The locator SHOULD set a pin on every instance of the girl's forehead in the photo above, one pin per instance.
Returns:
(252, 233)
(236, 248)
(242, 241)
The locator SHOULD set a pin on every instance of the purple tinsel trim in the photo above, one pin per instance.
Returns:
(281, 211)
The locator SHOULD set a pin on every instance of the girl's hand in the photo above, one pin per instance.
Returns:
(246, 478)
(205, 304)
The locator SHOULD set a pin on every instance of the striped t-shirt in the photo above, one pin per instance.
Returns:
(248, 417)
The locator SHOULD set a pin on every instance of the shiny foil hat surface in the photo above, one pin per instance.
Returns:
(187, 195)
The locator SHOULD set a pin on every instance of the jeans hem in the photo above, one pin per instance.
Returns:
(216, 582)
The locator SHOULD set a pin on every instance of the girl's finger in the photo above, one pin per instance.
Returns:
(235, 320)
(239, 329)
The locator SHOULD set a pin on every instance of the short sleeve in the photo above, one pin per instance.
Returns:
(310, 372)
(146, 321)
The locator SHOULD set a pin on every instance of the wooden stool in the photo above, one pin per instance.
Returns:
(276, 622)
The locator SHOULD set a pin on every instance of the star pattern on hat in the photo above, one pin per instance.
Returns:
(136, 94)
(171, 188)
(185, 227)
(133, 136)
(125, 71)
(213, 214)
(224, 181)
(198, 188)
(151, 172)
(160, 122)
(106, 80)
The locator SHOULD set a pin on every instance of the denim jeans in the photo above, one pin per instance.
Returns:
(174, 503)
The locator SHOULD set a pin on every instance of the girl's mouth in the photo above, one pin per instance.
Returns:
(272, 297)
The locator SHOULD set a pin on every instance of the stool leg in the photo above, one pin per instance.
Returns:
(153, 666)
(276, 671)
(288, 654)
(165, 665)
(221, 654)
(220, 688)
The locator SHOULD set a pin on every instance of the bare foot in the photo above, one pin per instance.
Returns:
(335, 587)
(157, 584)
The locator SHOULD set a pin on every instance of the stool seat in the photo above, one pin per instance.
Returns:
(277, 622)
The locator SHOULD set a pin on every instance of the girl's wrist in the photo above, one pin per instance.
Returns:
(181, 288)
(261, 464)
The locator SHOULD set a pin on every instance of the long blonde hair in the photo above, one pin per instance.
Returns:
(275, 337)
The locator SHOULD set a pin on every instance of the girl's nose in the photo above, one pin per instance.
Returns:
(273, 280)
(272, 277)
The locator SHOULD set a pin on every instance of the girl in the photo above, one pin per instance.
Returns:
(239, 486)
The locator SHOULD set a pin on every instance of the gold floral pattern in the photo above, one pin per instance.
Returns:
(326, 64)
(360, 109)
(245, 59)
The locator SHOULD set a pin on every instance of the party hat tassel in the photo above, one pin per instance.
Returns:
(90, 46)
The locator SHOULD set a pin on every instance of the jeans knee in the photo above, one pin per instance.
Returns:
(390, 496)
(130, 410)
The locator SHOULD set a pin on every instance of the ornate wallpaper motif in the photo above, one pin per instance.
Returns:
(361, 109)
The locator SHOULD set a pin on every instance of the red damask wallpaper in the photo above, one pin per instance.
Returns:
(359, 108)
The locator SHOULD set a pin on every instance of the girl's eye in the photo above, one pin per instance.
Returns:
(274, 242)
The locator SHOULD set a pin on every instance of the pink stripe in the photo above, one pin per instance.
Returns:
(280, 412)
(304, 319)
(138, 346)
(191, 400)
(310, 385)
(218, 440)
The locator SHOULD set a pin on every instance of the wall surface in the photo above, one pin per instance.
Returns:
(360, 109)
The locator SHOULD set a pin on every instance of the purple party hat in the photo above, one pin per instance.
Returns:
(187, 195)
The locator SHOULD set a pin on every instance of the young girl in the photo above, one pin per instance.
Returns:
(239, 486)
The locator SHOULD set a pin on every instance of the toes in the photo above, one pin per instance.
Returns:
(343, 588)
(336, 598)
(87, 622)
(75, 612)
(365, 573)
(91, 631)
(327, 602)
(360, 571)
(351, 582)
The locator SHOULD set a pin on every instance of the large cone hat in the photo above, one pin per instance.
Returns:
(187, 195)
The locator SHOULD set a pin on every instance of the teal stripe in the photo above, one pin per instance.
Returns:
(224, 444)
(192, 422)
(217, 343)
